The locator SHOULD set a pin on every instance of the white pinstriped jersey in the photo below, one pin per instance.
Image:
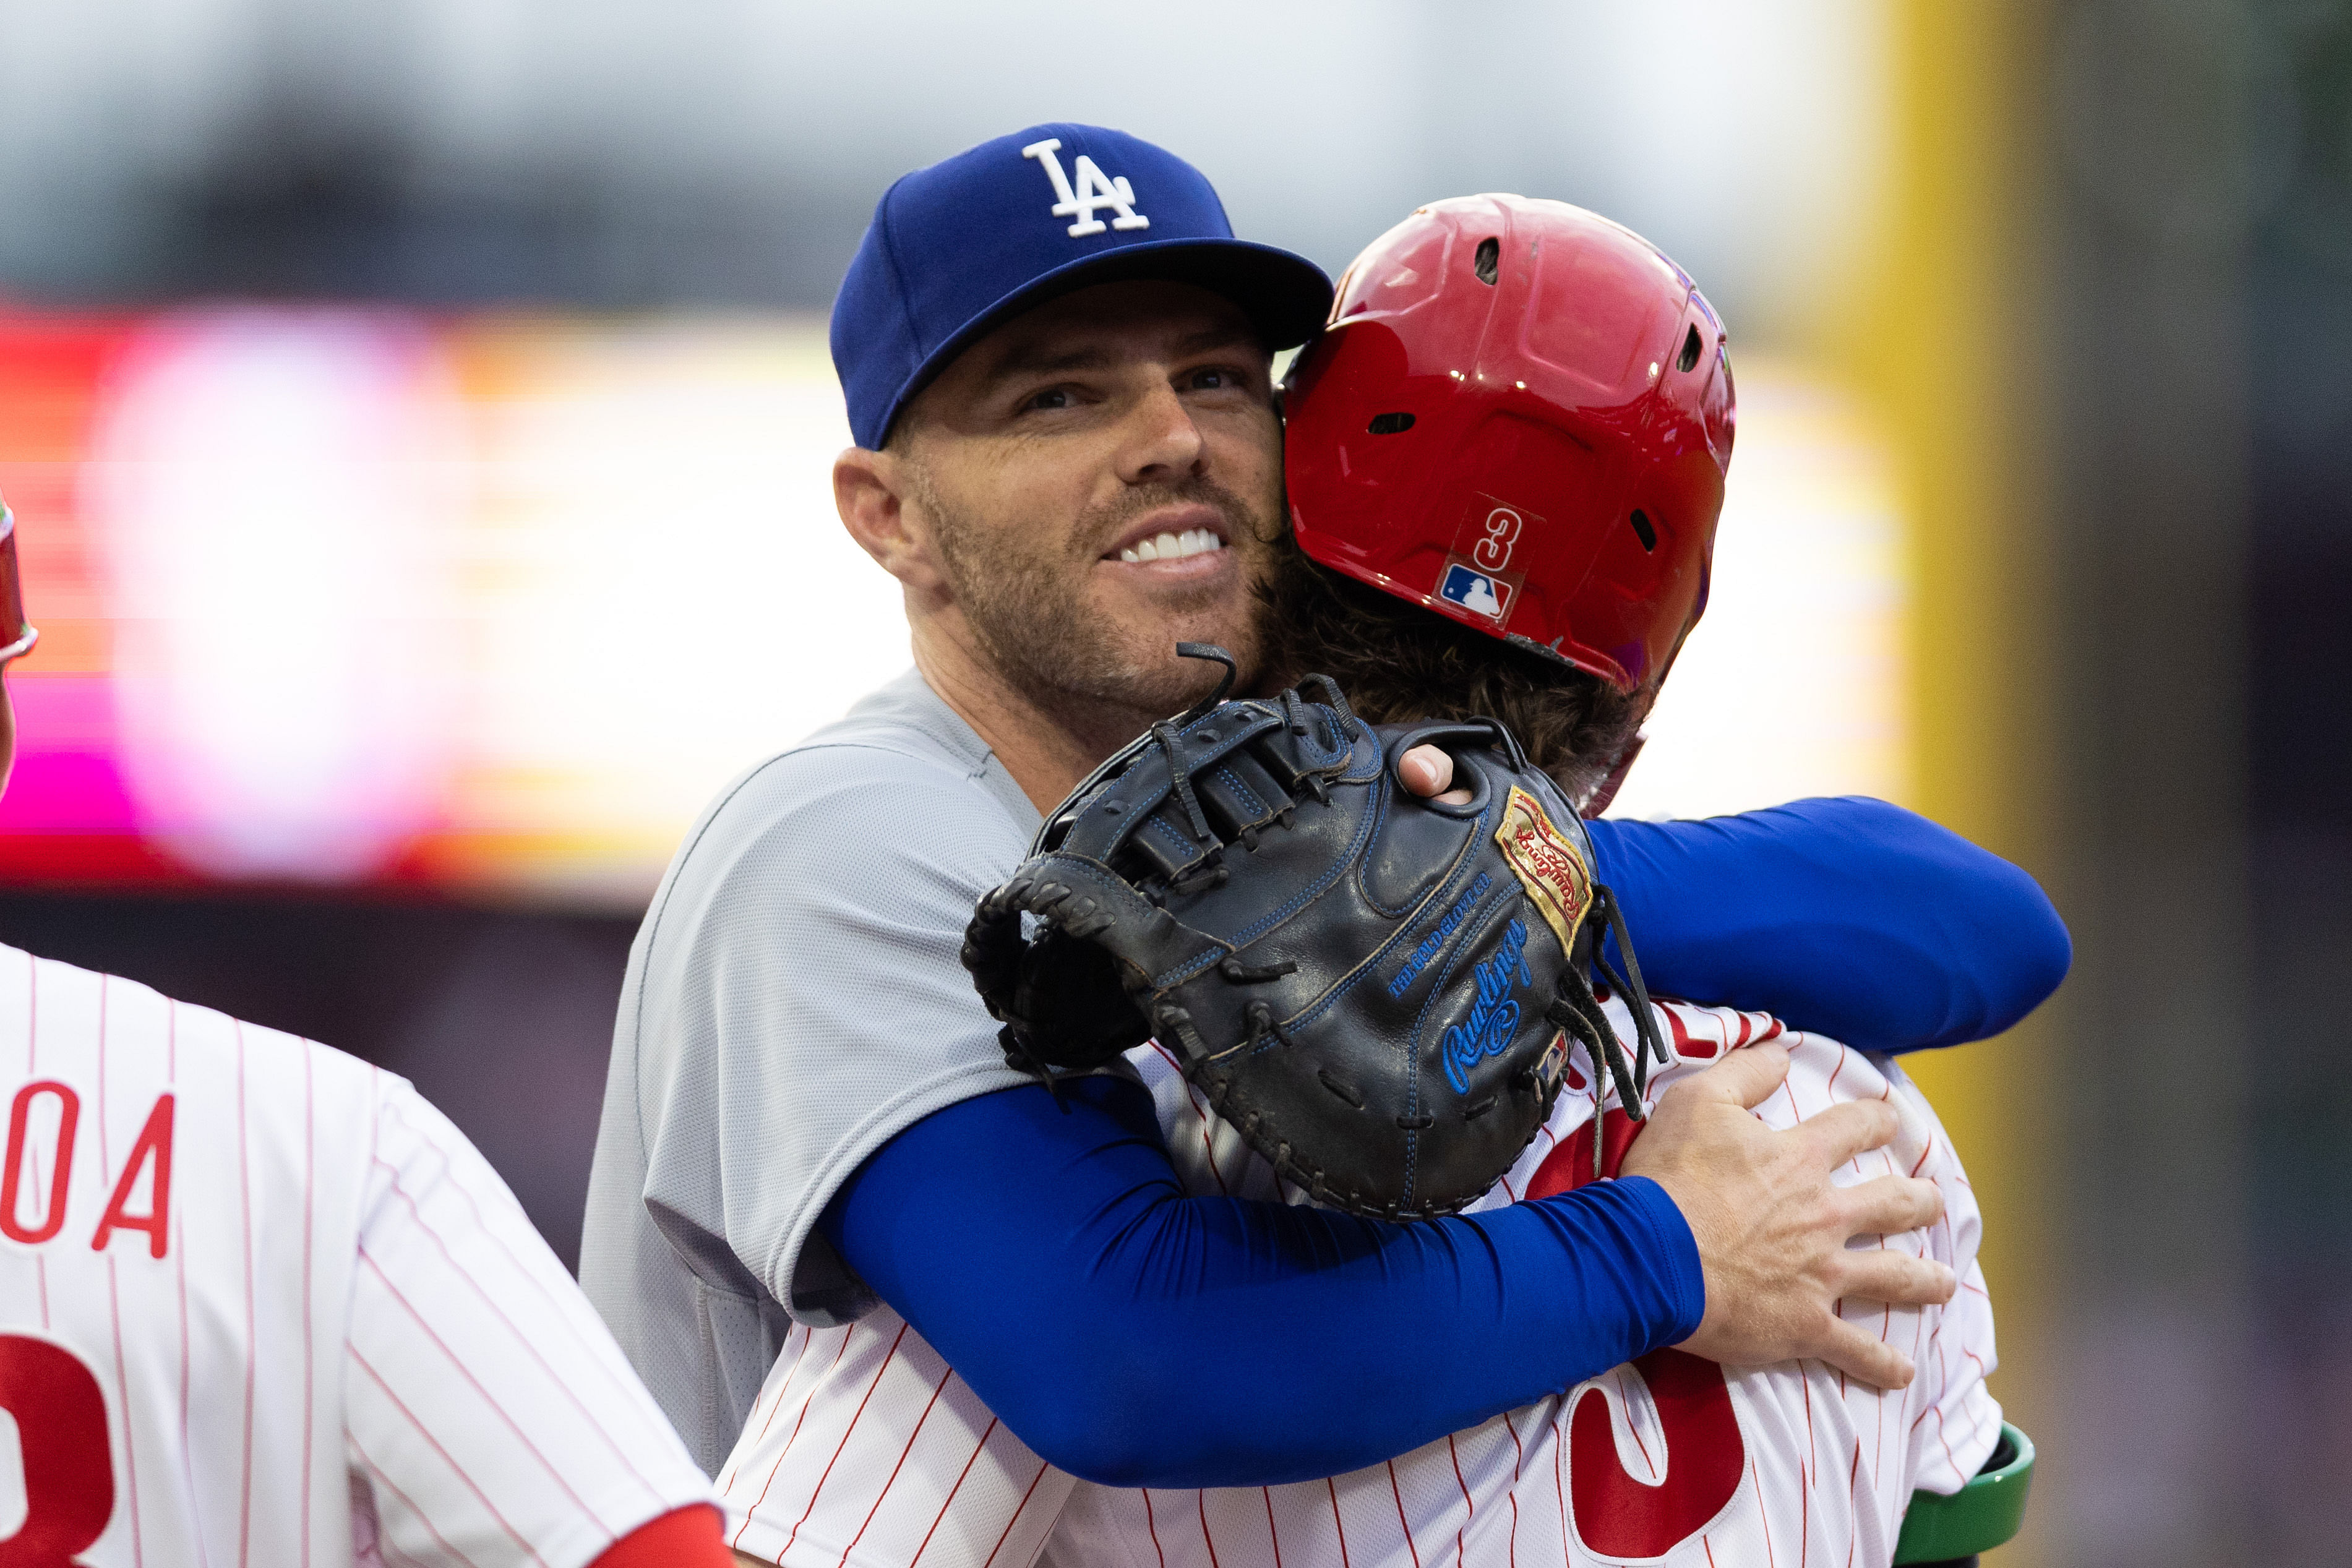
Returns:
(864, 1450)
(260, 1303)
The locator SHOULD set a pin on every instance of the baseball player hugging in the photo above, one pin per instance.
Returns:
(1044, 1129)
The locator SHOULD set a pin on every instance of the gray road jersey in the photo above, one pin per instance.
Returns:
(793, 1000)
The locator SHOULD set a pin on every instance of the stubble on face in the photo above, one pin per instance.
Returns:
(1026, 597)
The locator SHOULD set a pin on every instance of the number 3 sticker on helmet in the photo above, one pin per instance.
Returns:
(62, 1447)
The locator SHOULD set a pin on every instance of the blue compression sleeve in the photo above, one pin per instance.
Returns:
(1135, 1336)
(1852, 917)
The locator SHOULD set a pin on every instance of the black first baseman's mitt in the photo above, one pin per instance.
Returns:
(1375, 990)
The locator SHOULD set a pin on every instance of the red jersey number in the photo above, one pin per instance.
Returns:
(69, 1467)
(1616, 1514)
(1619, 1516)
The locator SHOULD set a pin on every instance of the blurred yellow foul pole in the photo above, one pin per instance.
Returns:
(1938, 351)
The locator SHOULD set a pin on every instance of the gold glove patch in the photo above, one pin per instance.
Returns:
(1548, 864)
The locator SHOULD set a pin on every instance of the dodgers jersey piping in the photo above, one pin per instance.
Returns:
(259, 1302)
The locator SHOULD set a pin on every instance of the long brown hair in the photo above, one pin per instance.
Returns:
(1399, 663)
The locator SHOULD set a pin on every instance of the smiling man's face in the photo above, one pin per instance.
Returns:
(1100, 479)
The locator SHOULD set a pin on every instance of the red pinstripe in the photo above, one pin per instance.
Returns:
(1627, 1401)
(1854, 1507)
(180, 1264)
(466, 1373)
(892, 1479)
(1455, 1454)
(1338, 1524)
(1518, 1458)
(776, 1402)
(114, 1295)
(555, 1309)
(526, 1341)
(1950, 1458)
(1200, 1500)
(1808, 1471)
(123, 1380)
(386, 1483)
(1208, 1145)
(793, 1436)
(1403, 1523)
(1016, 1515)
(455, 1468)
(1756, 1482)
(1559, 1481)
(1152, 1525)
(826, 1474)
(1272, 1534)
(949, 1501)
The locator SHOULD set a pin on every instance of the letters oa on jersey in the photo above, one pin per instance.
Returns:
(1617, 1513)
(36, 1185)
(53, 1398)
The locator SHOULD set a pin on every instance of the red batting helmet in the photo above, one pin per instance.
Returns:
(1520, 417)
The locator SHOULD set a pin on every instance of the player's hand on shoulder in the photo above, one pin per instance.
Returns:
(1772, 1229)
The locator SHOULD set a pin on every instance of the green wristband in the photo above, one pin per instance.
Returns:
(1980, 1516)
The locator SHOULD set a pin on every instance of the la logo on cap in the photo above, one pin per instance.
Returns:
(1094, 189)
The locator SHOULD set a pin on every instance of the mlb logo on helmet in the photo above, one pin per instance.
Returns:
(1474, 591)
(1478, 573)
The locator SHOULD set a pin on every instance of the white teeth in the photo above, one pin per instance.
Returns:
(1172, 546)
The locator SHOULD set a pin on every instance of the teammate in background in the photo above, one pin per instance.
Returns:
(1055, 354)
(259, 1302)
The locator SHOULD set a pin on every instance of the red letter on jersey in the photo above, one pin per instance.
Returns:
(20, 1115)
(154, 1144)
(69, 1467)
(1617, 1516)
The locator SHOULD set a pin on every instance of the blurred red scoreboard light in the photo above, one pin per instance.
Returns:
(495, 604)
(365, 597)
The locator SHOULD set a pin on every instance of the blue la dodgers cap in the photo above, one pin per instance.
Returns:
(965, 245)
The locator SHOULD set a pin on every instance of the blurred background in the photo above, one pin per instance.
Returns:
(417, 418)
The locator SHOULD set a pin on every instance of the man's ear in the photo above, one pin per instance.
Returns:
(870, 490)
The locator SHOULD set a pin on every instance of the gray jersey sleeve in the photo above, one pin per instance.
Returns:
(794, 998)
(802, 1000)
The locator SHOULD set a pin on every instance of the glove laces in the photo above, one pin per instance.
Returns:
(1577, 1011)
